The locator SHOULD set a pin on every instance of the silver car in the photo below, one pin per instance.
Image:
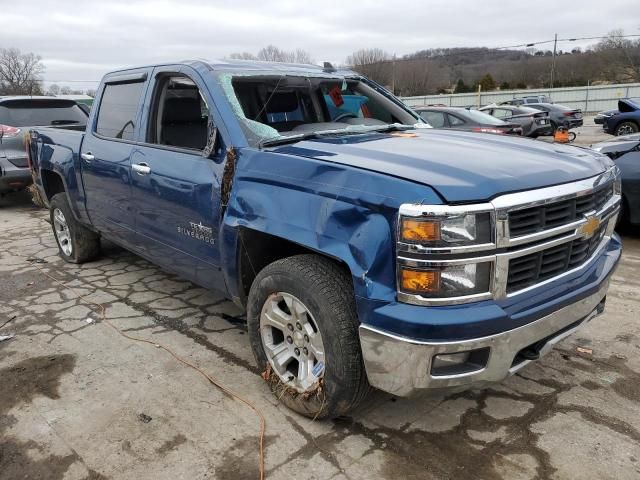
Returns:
(533, 122)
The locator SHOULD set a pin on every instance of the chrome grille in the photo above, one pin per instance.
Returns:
(544, 217)
(537, 267)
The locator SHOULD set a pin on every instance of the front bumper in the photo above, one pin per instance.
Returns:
(403, 366)
(399, 341)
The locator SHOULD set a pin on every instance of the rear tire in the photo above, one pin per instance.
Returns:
(312, 296)
(626, 128)
(76, 243)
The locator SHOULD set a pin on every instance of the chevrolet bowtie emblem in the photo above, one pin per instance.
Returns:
(589, 228)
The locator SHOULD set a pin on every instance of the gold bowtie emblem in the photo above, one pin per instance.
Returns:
(589, 228)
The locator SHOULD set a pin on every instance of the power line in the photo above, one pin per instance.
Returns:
(463, 50)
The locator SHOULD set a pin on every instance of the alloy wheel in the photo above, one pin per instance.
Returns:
(62, 232)
(292, 341)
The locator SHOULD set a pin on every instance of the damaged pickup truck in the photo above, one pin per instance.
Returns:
(367, 251)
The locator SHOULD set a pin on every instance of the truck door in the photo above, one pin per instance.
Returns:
(175, 188)
(105, 157)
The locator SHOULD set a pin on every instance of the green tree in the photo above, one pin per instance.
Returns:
(505, 86)
(461, 87)
(487, 83)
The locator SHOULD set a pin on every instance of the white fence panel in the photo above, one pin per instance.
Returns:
(589, 99)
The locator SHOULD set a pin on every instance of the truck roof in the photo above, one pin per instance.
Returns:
(246, 66)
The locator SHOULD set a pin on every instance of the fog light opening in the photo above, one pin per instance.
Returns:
(459, 363)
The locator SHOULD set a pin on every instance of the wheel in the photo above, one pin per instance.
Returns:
(554, 127)
(76, 243)
(303, 329)
(626, 128)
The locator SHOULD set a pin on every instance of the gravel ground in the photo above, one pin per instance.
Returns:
(78, 401)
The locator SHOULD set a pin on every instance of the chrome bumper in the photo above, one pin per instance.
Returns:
(403, 366)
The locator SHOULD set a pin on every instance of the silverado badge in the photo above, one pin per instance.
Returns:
(198, 231)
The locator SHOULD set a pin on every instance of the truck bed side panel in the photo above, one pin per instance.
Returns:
(57, 150)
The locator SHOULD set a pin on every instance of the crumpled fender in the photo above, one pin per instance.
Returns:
(343, 212)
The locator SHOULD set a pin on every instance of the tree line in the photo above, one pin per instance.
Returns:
(614, 59)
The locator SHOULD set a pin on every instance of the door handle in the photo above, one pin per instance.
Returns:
(88, 157)
(141, 168)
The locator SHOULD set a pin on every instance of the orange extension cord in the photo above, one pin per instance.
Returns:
(174, 355)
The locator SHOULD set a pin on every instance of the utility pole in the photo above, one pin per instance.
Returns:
(393, 75)
(553, 60)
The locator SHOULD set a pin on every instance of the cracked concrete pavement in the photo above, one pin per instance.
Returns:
(78, 401)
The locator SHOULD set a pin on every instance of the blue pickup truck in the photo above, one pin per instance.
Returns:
(366, 250)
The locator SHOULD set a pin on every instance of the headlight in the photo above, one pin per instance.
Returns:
(446, 281)
(453, 230)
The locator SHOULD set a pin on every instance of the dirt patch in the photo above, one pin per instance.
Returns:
(22, 382)
(241, 461)
(170, 445)
(38, 376)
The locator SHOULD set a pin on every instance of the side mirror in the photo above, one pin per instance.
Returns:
(211, 148)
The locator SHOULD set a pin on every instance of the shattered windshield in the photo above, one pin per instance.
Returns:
(279, 106)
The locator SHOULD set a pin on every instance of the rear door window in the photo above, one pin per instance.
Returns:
(118, 110)
(455, 121)
(40, 113)
(501, 113)
(435, 119)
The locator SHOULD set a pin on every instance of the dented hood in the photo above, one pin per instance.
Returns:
(461, 166)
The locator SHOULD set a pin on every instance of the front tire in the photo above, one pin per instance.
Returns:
(626, 128)
(303, 329)
(76, 243)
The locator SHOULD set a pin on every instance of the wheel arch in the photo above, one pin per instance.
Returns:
(257, 249)
(52, 183)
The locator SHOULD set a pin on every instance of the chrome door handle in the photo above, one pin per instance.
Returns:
(88, 157)
(141, 168)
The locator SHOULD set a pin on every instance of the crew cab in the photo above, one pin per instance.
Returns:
(367, 251)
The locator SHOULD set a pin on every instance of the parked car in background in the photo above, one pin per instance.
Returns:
(560, 115)
(626, 121)
(534, 123)
(17, 115)
(468, 120)
(527, 100)
(625, 152)
(602, 116)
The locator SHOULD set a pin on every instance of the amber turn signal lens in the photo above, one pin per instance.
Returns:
(419, 281)
(420, 230)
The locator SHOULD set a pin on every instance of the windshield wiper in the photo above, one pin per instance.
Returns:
(63, 122)
(392, 127)
(291, 138)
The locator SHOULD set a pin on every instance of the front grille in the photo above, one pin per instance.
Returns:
(20, 162)
(544, 217)
(537, 267)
